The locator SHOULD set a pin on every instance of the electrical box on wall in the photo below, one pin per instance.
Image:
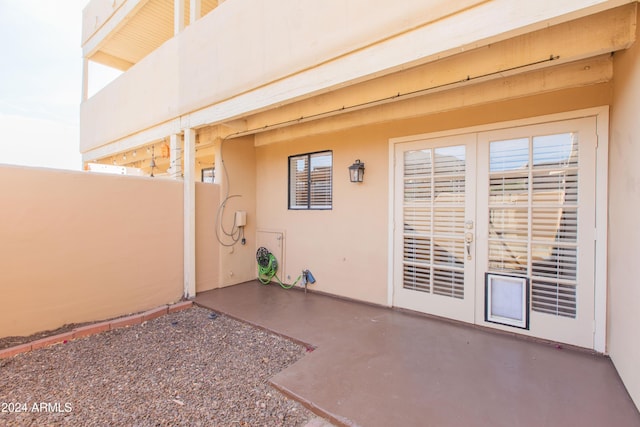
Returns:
(241, 218)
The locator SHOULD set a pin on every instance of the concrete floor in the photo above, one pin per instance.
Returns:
(374, 366)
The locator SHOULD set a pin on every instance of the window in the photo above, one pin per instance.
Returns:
(208, 175)
(310, 181)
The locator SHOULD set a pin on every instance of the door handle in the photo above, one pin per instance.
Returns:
(468, 239)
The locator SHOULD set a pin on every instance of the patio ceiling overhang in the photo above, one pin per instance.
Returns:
(568, 55)
(565, 56)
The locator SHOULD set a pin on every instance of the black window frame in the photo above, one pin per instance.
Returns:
(309, 206)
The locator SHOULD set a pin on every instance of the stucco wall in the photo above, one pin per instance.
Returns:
(238, 183)
(147, 94)
(346, 248)
(80, 247)
(624, 229)
(207, 248)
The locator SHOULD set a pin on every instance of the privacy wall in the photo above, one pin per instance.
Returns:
(624, 233)
(79, 247)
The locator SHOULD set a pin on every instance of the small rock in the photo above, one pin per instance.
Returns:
(224, 372)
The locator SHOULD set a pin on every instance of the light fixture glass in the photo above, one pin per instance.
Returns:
(356, 171)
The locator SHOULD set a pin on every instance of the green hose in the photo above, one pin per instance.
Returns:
(267, 268)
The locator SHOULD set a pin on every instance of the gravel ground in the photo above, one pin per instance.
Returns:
(181, 369)
(7, 342)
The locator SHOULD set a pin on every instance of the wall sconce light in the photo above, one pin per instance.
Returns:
(356, 171)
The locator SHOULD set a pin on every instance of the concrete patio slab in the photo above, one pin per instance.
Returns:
(375, 366)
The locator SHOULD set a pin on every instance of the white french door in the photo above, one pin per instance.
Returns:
(517, 203)
(536, 219)
(433, 240)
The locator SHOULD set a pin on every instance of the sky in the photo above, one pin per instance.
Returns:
(41, 82)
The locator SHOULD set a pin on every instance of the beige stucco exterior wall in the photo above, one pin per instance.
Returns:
(207, 248)
(624, 231)
(80, 247)
(346, 248)
(146, 95)
(238, 183)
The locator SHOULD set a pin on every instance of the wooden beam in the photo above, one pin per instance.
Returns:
(130, 142)
(584, 38)
(111, 61)
(580, 73)
(430, 44)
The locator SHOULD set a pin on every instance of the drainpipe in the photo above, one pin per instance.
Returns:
(189, 213)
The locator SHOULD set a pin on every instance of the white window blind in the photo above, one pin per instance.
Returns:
(533, 211)
(434, 203)
(310, 181)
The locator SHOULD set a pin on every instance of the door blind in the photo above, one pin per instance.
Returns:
(433, 217)
(533, 211)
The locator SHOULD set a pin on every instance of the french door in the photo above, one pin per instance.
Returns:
(435, 200)
(516, 204)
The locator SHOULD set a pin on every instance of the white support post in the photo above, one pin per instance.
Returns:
(175, 147)
(195, 10)
(85, 79)
(178, 16)
(189, 213)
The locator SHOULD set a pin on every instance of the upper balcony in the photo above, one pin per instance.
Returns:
(120, 33)
(246, 57)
